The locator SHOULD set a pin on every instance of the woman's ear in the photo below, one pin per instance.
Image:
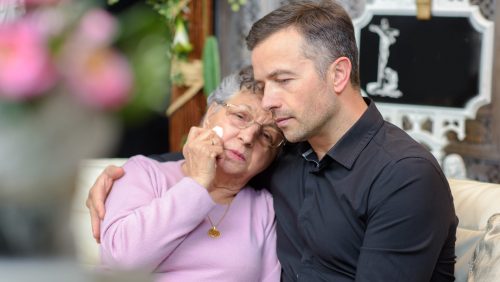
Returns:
(340, 71)
(210, 109)
(205, 122)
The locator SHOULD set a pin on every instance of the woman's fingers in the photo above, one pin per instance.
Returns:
(201, 150)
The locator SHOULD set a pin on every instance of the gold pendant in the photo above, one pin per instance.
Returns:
(213, 232)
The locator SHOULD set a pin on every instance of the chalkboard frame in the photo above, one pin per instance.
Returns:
(444, 9)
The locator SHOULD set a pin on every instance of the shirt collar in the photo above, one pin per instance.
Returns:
(350, 146)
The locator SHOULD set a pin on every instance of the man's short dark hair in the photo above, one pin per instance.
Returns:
(325, 26)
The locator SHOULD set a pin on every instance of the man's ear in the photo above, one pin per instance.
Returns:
(340, 71)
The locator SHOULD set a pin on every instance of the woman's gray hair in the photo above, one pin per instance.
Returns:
(232, 84)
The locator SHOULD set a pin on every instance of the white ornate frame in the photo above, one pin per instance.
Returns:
(443, 119)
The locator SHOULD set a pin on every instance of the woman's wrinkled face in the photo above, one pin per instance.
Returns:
(250, 136)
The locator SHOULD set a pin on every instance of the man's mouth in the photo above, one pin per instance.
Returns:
(281, 121)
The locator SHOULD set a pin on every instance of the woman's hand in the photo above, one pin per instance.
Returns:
(201, 151)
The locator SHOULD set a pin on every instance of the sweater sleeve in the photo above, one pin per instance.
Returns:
(271, 269)
(143, 222)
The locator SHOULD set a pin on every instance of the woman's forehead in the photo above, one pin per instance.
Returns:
(252, 100)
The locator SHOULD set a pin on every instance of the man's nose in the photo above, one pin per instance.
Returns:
(270, 100)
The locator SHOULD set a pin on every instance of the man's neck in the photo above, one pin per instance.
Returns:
(351, 111)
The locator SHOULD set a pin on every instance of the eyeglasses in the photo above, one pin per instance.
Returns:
(239, 116)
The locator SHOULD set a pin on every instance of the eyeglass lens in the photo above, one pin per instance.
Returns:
(242, 118)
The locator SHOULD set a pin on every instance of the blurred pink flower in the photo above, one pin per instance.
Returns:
(51, 22)
(97, 27)
(25, 67)
(66, 48)
(101, 78)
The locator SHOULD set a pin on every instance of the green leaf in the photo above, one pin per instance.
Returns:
(211, 65)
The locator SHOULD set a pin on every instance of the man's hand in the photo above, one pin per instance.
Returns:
(97, 196)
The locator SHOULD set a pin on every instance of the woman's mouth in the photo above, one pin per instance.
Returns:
(236, 155)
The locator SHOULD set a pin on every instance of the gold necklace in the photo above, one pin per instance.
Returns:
(213, 232)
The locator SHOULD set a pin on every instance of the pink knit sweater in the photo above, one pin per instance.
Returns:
(156, 219)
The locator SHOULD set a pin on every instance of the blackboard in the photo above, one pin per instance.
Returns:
(436, 62)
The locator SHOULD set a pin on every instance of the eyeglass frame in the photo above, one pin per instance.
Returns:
(253, 121)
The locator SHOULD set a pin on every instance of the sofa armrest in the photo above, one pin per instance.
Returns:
(475, 202)
(87, 250)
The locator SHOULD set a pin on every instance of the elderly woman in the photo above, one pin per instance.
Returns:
(196, 219)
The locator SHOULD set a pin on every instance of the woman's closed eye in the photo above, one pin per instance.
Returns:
(242, 116)
(267, 136)
(270, 135)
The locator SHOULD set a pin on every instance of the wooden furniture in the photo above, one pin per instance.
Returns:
(190, 114)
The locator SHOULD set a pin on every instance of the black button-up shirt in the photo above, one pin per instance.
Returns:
(377, 207)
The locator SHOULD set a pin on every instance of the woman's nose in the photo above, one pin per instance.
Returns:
(250, 134)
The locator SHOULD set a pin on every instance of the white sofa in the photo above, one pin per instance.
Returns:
(85, 246)
(475, 202)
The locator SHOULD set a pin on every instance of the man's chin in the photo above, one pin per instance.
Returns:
(294, 138)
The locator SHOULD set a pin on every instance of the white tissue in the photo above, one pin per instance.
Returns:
(218, 130)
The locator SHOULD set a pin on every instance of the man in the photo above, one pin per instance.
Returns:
(356, 199)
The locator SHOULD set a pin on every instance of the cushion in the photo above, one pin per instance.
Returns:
(475, 202)
(485, 263)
